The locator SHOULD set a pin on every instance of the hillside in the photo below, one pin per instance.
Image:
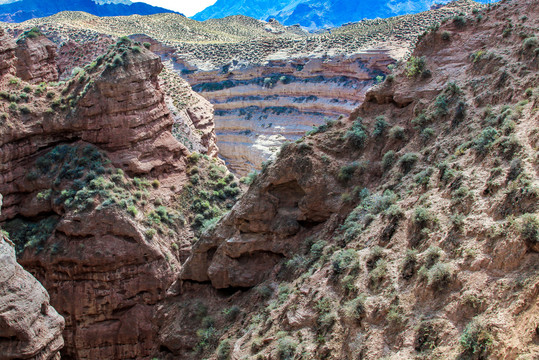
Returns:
(408, 229)
(22, 10)
(267, 82)
(315, 14)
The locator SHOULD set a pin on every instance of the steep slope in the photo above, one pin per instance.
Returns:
(408, 231)
(23, 10)
(313, 14)
(29, 327)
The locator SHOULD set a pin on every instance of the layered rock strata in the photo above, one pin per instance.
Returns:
(105, 271)
(258, 107)
(36, 59)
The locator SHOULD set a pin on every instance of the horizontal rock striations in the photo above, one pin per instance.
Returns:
(75, 162)
(258, 107)
(36, 58)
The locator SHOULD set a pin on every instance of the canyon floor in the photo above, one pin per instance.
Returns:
(407, 228)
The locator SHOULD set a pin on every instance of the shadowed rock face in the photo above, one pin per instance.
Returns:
(36, 59)
(267, 224)
(30, 328)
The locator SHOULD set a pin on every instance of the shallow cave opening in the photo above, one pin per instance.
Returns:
(289, 193)
(229, 291)
(310, 223)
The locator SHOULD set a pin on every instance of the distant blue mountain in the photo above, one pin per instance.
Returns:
(316, 14)
(23, 10)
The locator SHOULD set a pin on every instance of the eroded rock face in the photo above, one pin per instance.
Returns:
(30, 328)
(124, 112)
(258, 107)
(117, 277)
(105, 275)
(7, 53)
(266, 224)
(36, 59)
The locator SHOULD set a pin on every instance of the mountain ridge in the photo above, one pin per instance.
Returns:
(314, 14)
(23, 10)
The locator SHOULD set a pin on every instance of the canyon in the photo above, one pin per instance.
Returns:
(407, 228)
(268, 83)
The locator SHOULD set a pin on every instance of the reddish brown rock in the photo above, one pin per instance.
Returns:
(36, 59)
(7, 53)
(30, 328)
(104, 274)
(266, 223)
(117, 277)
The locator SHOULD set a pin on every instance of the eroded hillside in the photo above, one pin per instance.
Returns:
(96, 197)
(409, 230)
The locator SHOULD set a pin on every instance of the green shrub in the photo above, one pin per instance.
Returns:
(347, 171)
(409, 264)
(223, 350)
(440, 276)
(355, 309)
(446, 35)
(407, 161)
(427, 133)
(356, 135)
(433, 254)
(485, 140)
(232, 312)
(529, 228)
(388, 160)
(441, 106)
(378, 273)
(147, 45)
(530, 43)
(317, 249)
(250, 178)
(132, 210)
(380, 126)
(423, 178)
(343, 260)
(422, 217)
(397, 133)
(286, 348)
(476, 340)
(117, 61)
(415, 66)
(459, 20)
(150, 233)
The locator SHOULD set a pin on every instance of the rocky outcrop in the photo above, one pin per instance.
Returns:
(30, 328)
(105, 269)
(7, 53)
(36, 58)
(267, 224)
(124, 112)
(117, 276)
